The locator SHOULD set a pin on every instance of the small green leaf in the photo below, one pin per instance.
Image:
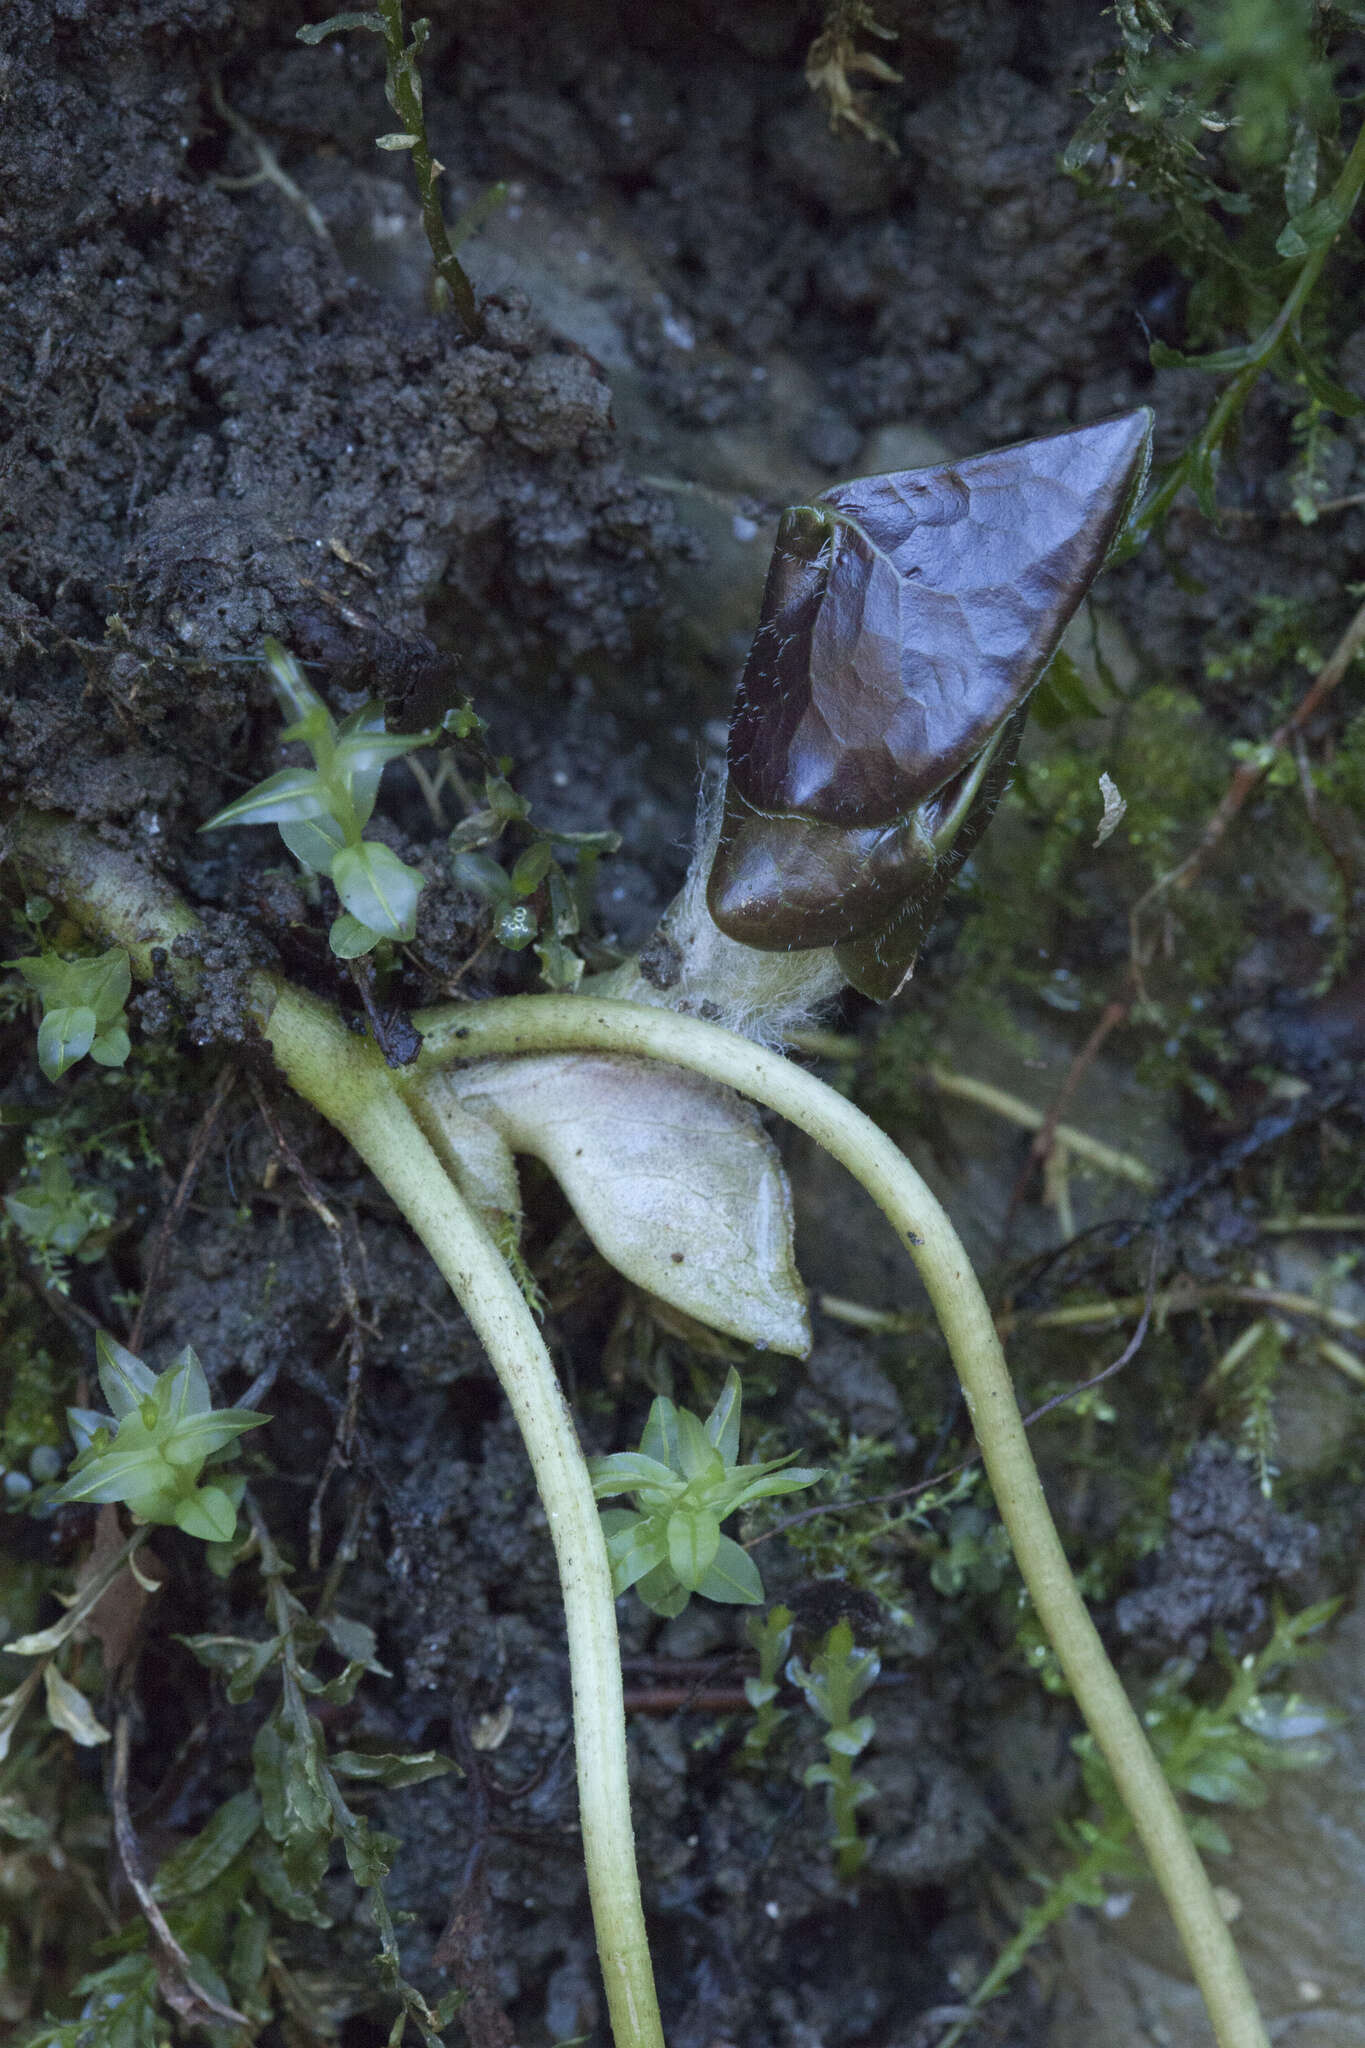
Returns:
(503, 800)
(699, 1460)
(853, 1739)
(65, 1036)
(661, 1593)
(561, 968)
(660, 1439)
(693, 1539)
(57, 981)
(532, 867)
(292, 794)
(294, 1801)
(722, 1424)
(1226, 1780)
(481, 875)
(732, 1577)
(105, 983)
(1217, 362)
(315, 842)
(1314, 228)
(349, 939)
(334, 1692)
(364, 750)
(624, 1471)
(19, 1824)
(336, 24)
(267, 1867)
(111, 1048)
(377, 888)
(772, 1485)
(208, 1514)
(369, 1853)
(69, 1710)
(125, 1381)
(238, 1659)
(389, 1769)
(197, 1864)
(635, 1548)
(354, 1640)
(127, 1475)
(12, 1706)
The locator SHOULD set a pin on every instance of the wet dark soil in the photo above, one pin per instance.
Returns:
(227, 410)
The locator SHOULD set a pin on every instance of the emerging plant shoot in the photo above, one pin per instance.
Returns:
(906, 620)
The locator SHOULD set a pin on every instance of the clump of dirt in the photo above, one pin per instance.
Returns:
(1227, 1548)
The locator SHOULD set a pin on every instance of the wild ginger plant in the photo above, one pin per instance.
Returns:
(826, 862)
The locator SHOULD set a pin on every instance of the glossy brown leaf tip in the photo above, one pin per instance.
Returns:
(905, 621)
(935, 601)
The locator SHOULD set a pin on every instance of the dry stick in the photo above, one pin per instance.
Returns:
(1040, 1151)
(343, 1436)
(1047, 1123)
(179, 1985)
(1249, 774)
(345, 1078)
(580, 1024)
(935, 1479)
(199, 1145)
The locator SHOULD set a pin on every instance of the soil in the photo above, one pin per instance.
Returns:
(227, 411)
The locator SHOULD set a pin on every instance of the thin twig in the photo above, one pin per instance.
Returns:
(1050, 1129)
(343, 1439)
(270, 171)
(199, 1146)
(1125, 1357)
(1248, 775)
(179, 1986)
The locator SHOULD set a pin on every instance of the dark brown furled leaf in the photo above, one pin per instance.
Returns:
(905, 622)
(911, 613)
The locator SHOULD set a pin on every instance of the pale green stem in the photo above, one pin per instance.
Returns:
(346, 1080)
(575, 1023)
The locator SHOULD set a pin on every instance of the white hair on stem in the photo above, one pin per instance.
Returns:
(764, 996)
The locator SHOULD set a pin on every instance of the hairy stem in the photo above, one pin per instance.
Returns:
(345, 1078)
(575, 1023)
(116, 896)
